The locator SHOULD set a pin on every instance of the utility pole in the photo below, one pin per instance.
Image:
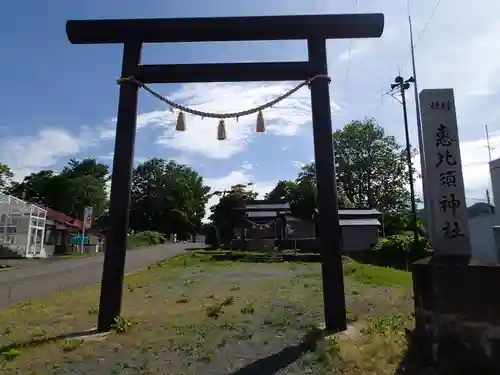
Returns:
(423, 171)
(403, 85)
(488, 146)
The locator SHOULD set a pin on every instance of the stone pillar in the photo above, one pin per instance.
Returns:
(457, 311)
(496, 235)
(444, 173)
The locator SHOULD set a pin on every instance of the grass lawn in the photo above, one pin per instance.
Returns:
(193, 315)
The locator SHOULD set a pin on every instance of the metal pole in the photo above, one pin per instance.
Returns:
(121, 181)
(330, 235)
(423, 165)
(403, 85)
(83, 237)
(488, 141)
(489, 156)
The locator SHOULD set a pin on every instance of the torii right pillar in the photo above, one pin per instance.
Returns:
(457, 304)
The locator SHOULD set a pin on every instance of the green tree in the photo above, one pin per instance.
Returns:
(36, 187)
(301, 194)
(371, 167)
(283, 191)
(80, 184)
(225, 216)
(167, 197)
(371, 171)
(6, 176)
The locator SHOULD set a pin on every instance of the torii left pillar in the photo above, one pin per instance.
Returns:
(315, 29)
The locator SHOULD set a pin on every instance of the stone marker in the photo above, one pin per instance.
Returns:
(444, 173)
(457, 316)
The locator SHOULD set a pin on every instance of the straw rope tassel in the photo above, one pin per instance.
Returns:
(221, 131)
(181, 122)
(261, 124)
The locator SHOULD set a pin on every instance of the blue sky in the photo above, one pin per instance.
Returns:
(59, 100)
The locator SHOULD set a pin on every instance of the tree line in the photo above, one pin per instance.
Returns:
(169, 197)
(371, 172)
(166, 197)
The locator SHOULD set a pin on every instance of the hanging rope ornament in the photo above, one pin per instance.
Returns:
(261, 124)
(181, 122)
(221, 130)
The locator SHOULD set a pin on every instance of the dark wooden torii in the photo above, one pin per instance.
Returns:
(133, 33)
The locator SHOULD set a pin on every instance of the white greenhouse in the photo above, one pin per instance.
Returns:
(22, 228)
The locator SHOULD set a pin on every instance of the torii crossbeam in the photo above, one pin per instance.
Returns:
(315, 29)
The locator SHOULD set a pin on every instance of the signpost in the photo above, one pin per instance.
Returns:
(87, 223)
(444, 173)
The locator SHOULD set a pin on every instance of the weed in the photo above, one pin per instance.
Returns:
(351, 316)
(11, 353)
(93, 310)
(182, 299)
(70, 345)
(122, 325)
(213, 310)
(227, 301)
(248, 307)
(387, 325)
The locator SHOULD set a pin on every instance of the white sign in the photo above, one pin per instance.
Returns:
(87, 217)
(444, 173)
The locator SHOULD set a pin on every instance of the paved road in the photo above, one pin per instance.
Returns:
(41, 277)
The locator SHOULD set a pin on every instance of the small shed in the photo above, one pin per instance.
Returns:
(268, 224)
(360, 228)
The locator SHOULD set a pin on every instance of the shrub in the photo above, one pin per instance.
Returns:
(146, 238)
(399, 250)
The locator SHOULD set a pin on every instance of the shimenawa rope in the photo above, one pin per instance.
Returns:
(221, 133)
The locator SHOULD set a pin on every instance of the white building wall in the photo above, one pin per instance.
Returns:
(482, 238)
(495, 186)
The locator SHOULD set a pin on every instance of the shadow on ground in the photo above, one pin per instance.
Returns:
(275, 362)
(35, 342)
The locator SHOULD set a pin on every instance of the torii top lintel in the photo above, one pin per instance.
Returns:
(220, 29)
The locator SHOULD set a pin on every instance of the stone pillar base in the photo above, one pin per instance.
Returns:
(457, 313)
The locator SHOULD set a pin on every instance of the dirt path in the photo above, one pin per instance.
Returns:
(39, 278)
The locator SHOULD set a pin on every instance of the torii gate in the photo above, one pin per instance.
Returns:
(133, 33)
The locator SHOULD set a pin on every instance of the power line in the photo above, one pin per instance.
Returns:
(349, 54)
(428, 22)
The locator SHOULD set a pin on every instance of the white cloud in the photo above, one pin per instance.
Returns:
(28, 154)
(297, 164)
(234, 178)
(357, 50)
(470, 66)
(247, 166)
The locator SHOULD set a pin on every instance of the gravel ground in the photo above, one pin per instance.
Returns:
(172, 337)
